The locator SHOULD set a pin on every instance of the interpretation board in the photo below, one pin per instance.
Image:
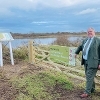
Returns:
(62, 54)
(6, 37)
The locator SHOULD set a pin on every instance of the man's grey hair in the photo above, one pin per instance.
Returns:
(90, 28)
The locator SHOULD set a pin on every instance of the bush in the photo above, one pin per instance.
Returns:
(20, 53)
(63, 41)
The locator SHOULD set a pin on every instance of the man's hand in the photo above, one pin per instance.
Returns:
(99, 67)
(75, 55)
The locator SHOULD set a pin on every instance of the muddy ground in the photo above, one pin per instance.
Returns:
(8, 92)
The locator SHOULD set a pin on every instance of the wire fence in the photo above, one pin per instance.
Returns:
(20, 53)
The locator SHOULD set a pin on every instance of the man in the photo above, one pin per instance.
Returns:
(90, 48)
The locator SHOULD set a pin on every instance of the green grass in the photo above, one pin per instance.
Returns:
(39, 86)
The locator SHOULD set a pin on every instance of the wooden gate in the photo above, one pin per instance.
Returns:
(40, 55)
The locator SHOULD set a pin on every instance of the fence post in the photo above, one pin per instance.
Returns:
(31, 52)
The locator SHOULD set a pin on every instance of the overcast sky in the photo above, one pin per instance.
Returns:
(49, 15)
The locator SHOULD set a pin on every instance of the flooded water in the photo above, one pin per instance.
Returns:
(20, 42)
(45, 41)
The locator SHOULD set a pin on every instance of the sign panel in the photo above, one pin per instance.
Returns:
(62, 54)
(1, 36)
(5, 37)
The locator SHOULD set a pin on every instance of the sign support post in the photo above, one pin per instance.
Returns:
(11, 53)
(1, 58)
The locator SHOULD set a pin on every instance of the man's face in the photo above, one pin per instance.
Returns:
(90, 33)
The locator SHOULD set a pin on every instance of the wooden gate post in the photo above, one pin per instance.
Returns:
(31, 52)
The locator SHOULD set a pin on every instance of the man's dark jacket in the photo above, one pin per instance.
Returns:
(93, 58)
